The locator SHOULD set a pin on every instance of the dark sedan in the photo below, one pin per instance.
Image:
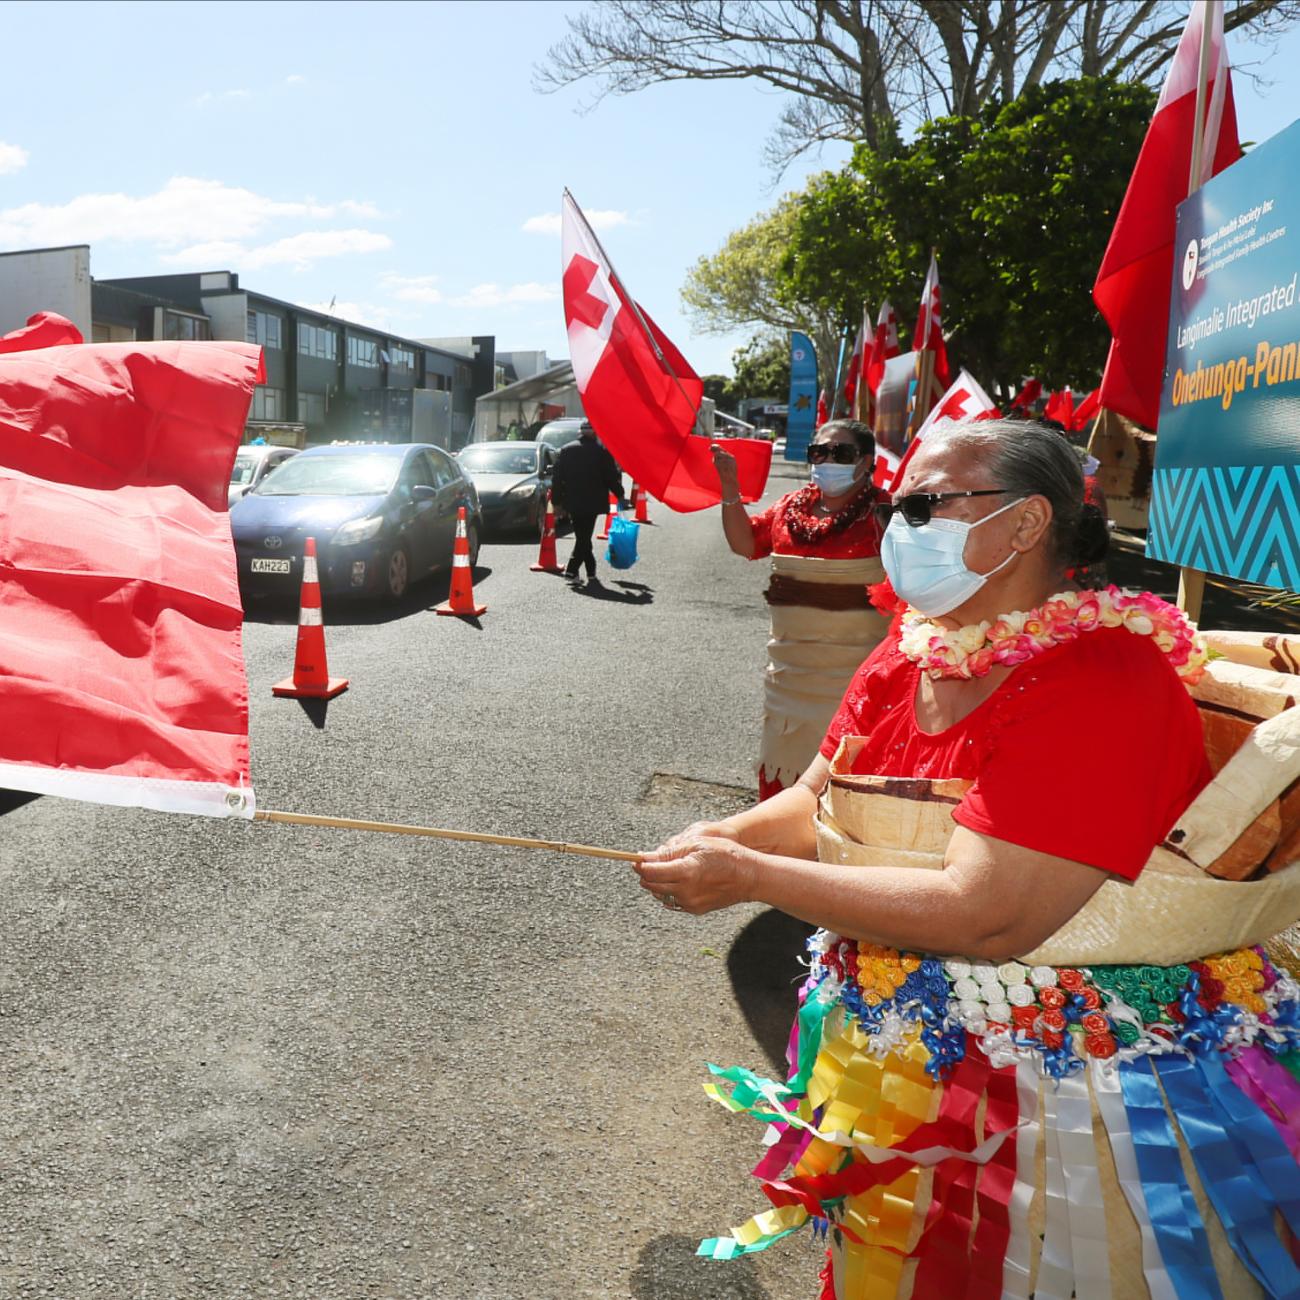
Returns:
(512, 479)
(382, 515)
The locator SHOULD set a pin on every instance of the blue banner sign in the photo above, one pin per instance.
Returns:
(1226, 492)
(801, 421)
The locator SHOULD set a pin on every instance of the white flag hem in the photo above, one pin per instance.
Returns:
(200, 798)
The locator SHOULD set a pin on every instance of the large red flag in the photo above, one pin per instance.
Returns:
(883, 346)
(638, 391)
(1132, 288)
(121, 672)
(857, 363)
(928, 335)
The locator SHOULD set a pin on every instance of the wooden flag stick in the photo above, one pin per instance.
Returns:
(434, 832)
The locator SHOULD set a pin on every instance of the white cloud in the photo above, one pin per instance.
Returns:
(299, 250)
(548, 223)
(495, 295)
(186, 211)
(224, 96)
(295, 79)
(413, 288)
(12, 158)
(363, 313)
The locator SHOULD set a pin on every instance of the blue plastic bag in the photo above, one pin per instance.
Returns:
(621, 551)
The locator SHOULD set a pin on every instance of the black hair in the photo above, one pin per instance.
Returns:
(862, 434)
(1030, 458)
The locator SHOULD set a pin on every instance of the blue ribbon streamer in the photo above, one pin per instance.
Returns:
(1216, 1135)
(1175, 1219)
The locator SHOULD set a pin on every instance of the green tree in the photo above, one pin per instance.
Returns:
(743, 285)
(1018, 202)
(762, 368)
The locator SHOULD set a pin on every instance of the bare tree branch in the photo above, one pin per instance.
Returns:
(853, 67)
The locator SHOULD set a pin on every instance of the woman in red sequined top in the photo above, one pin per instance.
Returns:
(824, 541)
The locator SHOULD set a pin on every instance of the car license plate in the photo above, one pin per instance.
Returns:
(264, 564)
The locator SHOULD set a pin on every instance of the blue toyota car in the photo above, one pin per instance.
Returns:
(382, 515)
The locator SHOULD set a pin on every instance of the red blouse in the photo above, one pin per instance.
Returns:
(858, 541)
(1090, 752)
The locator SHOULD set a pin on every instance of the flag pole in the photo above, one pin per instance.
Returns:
(636, 310)
(839, 370)
(859, 382)
(1191, 582)
(437, 832)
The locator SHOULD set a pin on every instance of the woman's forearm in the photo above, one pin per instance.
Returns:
(782, 824)
(736, 529)
(899, 907)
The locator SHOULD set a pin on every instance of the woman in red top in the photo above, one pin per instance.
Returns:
(1001, 997)
(824, 540)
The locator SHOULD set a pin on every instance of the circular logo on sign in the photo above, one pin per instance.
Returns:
(1190, 260)
(798, 354)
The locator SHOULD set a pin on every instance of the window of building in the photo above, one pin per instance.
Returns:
(268, 403)
(311, 407)
(402, 359)
(462, 376)
(179, 325)
(318, 341)
(363, 352)
(264, 328)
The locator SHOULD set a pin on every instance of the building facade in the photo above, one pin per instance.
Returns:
(326, 378)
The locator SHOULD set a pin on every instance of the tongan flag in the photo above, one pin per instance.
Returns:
(638, 391)
(1132, 288)
(121, 672)
(883, 346)
(928, 335)
(965, 400)
(857, 364)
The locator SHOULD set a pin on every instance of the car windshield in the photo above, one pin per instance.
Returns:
(331, 476)
(499, 460)
(244, 469)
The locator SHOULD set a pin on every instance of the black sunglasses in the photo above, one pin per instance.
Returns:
(842, 453)
(916, 507)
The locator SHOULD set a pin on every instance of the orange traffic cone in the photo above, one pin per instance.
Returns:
(311, 678)
(640, 498)
(547, 560)
(460, 601)
(610, 516)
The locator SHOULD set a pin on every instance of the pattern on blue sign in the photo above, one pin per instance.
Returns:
(1243, 520)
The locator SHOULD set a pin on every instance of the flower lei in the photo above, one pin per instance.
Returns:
(807, 528)
(973, 650)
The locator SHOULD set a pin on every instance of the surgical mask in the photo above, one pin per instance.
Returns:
(833, 480)
(925, 565)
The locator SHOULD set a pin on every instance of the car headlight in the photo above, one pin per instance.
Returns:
(359, 530)
(522, 490)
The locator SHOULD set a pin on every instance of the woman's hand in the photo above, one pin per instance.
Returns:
(698, 873)
(725, 463)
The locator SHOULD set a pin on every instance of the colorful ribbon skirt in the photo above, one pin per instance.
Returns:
(965, 1130)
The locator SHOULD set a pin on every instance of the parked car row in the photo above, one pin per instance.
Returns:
(382, 515)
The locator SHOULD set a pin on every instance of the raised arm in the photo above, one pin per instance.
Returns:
(735, 519)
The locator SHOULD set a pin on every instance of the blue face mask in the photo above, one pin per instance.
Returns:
(832, 480)
(925, 564)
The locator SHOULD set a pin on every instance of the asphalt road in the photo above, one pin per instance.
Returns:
(252, 1060)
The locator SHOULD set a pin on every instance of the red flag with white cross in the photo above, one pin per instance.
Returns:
(640, 394)
(928, 335)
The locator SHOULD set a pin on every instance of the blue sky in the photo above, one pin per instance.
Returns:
(391, 156)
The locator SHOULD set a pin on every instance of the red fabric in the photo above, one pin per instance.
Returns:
(120, 644)
(928, 335)
(861, 347)
(1060, 407)
(1133, 282)
(883, 346)
(858, 541)
(1028, 395)
(822, 413)
(1090, 752)
(1085, 411)
(639, 392)
(768, 785)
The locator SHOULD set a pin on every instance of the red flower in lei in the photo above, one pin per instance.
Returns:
(809, 529)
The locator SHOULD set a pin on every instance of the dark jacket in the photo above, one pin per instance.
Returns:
(585, 475)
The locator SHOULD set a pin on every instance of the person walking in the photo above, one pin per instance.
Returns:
(585, 475)
(824, 540)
